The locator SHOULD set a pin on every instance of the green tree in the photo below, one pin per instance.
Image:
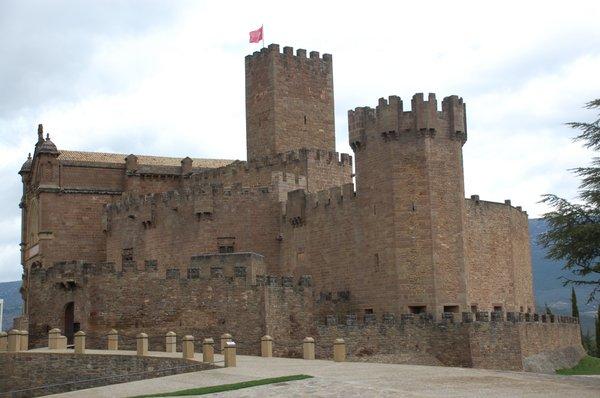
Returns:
(573, 232)
(574, 309)
(586, 342)
(598, 332)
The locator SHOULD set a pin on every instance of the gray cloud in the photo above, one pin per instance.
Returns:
(49, 46)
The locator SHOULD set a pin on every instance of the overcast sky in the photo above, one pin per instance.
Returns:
(167, 78)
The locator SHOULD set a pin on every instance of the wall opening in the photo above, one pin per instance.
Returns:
(497, 308)
(474, 309)
(417, 309)
(451, 308)
(226, 244)
(70, 321)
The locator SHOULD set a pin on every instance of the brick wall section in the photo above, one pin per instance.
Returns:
(289, 102)
(498, 257)
(28, 370)
(449, 343)
(489, 345)
(172, 227)
(314, 170)
(225, 295)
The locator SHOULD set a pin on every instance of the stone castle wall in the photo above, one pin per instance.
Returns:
(497, 344)
(172, 227)
(498, 256)
(217, 294)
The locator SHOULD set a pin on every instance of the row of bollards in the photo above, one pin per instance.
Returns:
(14, 341)
(227, 345)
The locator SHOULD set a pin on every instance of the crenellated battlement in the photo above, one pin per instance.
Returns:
(475, 201)
(240, 268)
(214, 191)
(277, 161)
(288, 55)
(389, 120)
(299, 202)
(275, 170)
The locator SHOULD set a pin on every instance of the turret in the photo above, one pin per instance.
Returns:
(409, 170)
(289, 102)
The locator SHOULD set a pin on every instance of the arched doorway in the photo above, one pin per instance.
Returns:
(69, 321)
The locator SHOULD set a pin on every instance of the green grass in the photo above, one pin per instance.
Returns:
(226, 387)
(587, 366)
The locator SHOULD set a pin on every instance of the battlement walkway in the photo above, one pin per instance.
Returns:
(350, 379)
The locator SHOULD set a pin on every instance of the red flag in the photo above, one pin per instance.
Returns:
(256, 35)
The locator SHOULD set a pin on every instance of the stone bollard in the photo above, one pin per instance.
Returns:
(80, 342)
(171, 342)
(62, 343)
(142, 344)
(188, 347)
(113, 340)
(339, 350)
(24, 341)
(14, 340)
(225, 337)
(230, 361)
(308, 348)
(208, 350)
(53, 339)
(3, 341)
(266, 346)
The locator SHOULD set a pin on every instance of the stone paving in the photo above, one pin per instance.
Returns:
(355, 379)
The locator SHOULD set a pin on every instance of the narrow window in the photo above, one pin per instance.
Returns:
(376, 261)
(226, 249)
(304, 119)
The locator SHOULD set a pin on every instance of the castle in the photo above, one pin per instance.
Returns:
(284, 241)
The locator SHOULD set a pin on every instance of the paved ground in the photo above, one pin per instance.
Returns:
(354, 379)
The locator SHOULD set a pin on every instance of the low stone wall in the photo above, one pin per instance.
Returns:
(516, 344)
(32, 374)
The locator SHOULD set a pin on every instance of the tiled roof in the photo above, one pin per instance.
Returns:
(100, 157)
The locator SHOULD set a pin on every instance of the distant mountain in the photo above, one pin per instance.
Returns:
(548, 286)
(546, 283)
(9, 291)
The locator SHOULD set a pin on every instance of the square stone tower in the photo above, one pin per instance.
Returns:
(289, 102)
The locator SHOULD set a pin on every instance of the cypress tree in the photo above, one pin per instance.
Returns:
(574, 309)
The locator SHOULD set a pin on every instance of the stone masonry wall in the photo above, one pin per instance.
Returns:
(172, 227)
(480, 344)
(289, 102)
(31, 371)
(218, 294)
(498, 257)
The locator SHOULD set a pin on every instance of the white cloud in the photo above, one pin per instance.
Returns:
(159, 78)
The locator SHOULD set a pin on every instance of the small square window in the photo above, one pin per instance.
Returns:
(417, 309)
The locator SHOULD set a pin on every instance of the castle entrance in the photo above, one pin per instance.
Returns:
(70, 321)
